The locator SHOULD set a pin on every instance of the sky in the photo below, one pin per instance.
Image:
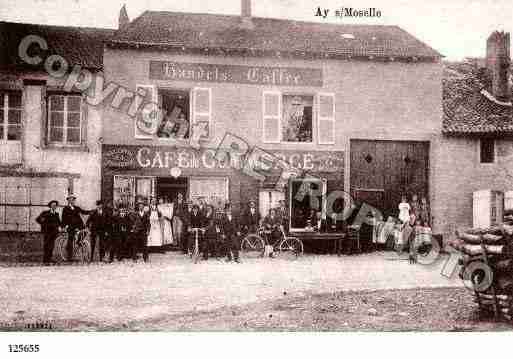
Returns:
(455, 28)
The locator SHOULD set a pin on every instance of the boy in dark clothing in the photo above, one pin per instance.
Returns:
(119, 230)
(210, 240)
(50, 226)
(140, 228)
(231, 230)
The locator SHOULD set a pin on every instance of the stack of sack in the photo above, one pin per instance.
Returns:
(493, 247)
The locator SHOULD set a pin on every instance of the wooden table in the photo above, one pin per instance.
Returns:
(323, 242)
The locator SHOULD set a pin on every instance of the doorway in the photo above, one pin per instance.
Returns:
(169, 187)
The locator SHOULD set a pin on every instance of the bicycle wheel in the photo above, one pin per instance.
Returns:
(291, 245)
(82, 247)
(195, 252)
(252, 246)
(59, 251)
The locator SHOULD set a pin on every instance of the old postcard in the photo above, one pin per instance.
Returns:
(255, 166)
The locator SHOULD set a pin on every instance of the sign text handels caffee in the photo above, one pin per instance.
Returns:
(258, 75)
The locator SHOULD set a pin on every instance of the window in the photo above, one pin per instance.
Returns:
(290, 118)
(65, 119)
(487, 150)
(202, 113)
(297, 118)
(175, 114)
(10, 116)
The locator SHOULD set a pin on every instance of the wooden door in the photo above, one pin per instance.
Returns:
(382, 171)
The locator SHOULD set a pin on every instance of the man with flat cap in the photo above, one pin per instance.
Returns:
(50, 225)
(98, 223)
(72, 221)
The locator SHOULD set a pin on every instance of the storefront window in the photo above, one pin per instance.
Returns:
(130, 189)
(213, 190)
(307, 201)
(297, 118)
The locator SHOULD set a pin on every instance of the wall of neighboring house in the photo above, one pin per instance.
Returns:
(460, 173)
(40, 171)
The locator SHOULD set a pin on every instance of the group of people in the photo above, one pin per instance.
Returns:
(124, 233)
(414, 211)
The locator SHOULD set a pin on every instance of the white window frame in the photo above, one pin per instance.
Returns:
(5, 125)
(265, 117)
(326, 119)
(154, 99)
(198, 113)
(64, 141)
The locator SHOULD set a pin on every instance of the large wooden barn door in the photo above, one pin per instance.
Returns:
(381, 171)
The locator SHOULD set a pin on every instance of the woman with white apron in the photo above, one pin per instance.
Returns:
(155, 237)
(167, 214)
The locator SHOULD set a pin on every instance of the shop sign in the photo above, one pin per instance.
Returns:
(153, 157)
(256, 75)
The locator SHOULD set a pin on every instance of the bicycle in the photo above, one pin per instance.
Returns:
(195, 254)
(81, 246)
(256, 243)
(253, 245)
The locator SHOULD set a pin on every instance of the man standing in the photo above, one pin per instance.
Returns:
(98, 223)
(251, 218)
(50, 226)
(283, 214)
(73, 222)
(140, 221)
(118, 233)
(196, 220)
(180, 222)
(231, 230)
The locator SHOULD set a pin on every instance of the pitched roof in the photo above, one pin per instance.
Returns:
(467, 107)
(78, 45)
(224, 32)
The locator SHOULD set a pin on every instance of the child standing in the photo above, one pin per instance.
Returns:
(424, 213)
(404, 210)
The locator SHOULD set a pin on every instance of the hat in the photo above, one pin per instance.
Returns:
(252, 201)
(53, 201)
(70, 196)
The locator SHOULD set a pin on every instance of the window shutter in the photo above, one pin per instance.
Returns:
(326, 119)
(146, 119)
(202, 112)
(271, 117)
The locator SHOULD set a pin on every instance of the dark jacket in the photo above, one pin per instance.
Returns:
(180, 209)
(140, 223)
(71, 217)
(251, 219)
(196, 221)
(335, 225)
(230, 228)
(50, 222)
(120, 226)
(99, 222)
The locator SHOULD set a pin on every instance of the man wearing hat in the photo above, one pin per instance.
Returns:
(251, 218)
(50, 226)
(98, 223)
(231, 230)
(72, 221)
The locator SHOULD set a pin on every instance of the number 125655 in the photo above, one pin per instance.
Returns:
(23, 348)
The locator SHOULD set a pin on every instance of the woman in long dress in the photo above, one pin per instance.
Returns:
(155, 237)
(167, 214)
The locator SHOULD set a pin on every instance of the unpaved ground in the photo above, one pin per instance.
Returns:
(112, 296)
(434, 309)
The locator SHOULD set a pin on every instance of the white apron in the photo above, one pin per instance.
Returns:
(155, 236)
(167, 231)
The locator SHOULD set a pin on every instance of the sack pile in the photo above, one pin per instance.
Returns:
(490, 248)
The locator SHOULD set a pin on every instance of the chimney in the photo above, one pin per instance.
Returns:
(245, 13)
(123, 19)
(497, 64)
